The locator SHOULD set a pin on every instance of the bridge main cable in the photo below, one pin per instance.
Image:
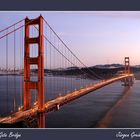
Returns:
(68, 59)
(72, 52)
(16, 29)
(12, 25)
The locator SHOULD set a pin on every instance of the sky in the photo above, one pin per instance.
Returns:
(96, 37)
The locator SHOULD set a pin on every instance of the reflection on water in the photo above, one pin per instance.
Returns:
(106, 120)
(128, 114)
(88, 110)
(84, 112)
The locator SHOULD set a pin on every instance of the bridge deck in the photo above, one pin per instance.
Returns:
(59, 101)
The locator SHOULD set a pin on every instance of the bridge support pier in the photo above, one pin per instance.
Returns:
(38, 60)
(128, 81)
(41, 120)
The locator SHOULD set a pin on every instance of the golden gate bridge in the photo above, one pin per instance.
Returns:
(33, 50)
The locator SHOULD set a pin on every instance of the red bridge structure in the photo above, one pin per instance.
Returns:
(39, 53)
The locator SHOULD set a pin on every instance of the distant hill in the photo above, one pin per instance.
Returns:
(105, 71)
(108, 66)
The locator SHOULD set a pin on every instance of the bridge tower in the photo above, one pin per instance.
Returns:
(127, 81)
(127, 65)
(39, 61)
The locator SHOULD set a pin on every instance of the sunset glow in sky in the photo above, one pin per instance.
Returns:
(95, 37)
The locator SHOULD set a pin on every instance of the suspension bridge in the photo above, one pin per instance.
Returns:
(33, 57)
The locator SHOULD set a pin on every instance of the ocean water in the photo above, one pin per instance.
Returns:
(117, 106)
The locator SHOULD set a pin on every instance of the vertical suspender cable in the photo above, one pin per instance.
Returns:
(22, 62)
(7, 86)
(51, 65)
(65, 66)
(14, 69)
(71, 72)
(57, 64)
(54, 66)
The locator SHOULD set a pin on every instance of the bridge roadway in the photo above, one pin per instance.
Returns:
(61, 100)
